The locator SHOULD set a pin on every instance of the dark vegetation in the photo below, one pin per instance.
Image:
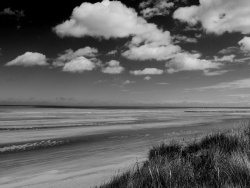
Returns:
(216, 160)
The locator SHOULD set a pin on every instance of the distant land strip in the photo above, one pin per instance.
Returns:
(121, 107)
(220, 111)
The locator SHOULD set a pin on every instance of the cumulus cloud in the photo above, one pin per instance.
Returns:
(104, 19)
(112, 19)
(10, 12)
(69, 54)
(113, 52)
(29, 59)
(218, 16)
(151, 51)
(242, 50)
(126, 82)
(153, 45)
(230, 50)
(147, 78)
(242, 60)
(162, 83)
(215, 73)
(145, 4)
(245, 44)
(113, 67)
(189, 62)
(158, 7)
(147, 71)
(181, 38)
(58, 63)
(184, 13)
(227, 58)
(78, 65)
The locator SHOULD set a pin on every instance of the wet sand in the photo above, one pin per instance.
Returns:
(93, 151)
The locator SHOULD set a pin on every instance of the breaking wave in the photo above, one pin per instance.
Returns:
(31, 146)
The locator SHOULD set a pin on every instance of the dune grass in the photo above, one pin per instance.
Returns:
(216, 160)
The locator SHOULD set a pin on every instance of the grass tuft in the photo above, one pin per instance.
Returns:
(170, 151)
(216, 160)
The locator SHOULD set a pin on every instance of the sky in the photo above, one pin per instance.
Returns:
(152, 52)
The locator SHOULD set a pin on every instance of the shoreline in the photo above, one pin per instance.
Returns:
(88, 177)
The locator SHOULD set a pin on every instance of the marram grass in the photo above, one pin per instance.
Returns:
(216, 160)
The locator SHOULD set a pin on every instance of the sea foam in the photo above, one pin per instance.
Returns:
(31, 146)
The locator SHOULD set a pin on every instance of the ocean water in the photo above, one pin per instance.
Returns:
(83, 147)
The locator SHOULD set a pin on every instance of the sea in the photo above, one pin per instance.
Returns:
(54, 146)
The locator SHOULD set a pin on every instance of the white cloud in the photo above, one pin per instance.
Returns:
(147, 71)
(105, 19)
(147, 78)
(196, 28)
(145, 4)
(150, 51)
(69, 54)
(218, 16)
(242, 60)
(112, 19)
(244, 49)
(237, 84)
(230, 50)
(245, 44)
(126, 82)
(155, 44)
(123, 83)
(78, 65)
(113, 67)
(215, 73)
(162, 83)
(159, 7)
(58, 64)
(17, 13)
(228, 58)
(187, 14)
(29, 59)
(189, 62)
(180, 38)
(113, 52)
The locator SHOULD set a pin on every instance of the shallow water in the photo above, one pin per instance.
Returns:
(53, 147)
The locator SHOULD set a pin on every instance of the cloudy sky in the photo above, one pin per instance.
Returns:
(152, 52)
